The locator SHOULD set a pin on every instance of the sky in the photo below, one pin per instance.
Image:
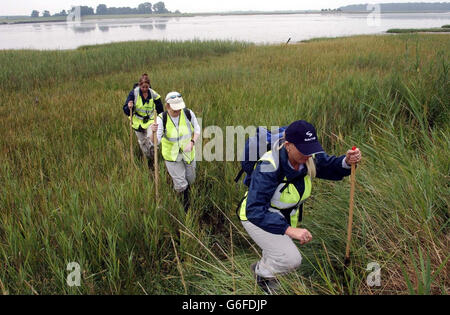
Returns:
(24, 7)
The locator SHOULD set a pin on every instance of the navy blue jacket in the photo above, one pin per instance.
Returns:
(158, 104)
(264, 184)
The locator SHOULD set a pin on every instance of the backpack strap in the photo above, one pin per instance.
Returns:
(164, 120)
(287, 183)
(239, 175)
(187, 112)
(287, 213)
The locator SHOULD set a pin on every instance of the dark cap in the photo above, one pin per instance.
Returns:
(303, 135)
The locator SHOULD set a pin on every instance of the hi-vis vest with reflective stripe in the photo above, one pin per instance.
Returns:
(175, 140)
(143, 115)
(288, 199)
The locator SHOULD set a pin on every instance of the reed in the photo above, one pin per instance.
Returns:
(68, 195)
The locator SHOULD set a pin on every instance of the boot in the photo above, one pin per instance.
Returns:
(150, 164)
(186, 199)
(269, 286)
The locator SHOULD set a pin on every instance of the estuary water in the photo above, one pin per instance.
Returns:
(260, 29)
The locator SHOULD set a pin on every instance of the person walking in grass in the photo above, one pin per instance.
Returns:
(280, 184)
(142, 102)
(177, 130)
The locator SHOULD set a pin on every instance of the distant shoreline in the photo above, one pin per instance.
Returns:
(59, 19)
(443, 29)
(300, 42)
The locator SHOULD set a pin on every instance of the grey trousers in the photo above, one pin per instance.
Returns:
(145, 144)
(182, 173)
(279, 253)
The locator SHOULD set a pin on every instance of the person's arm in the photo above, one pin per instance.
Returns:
(195, 124)
(262, 187)
(130, 98)
(331, 167)
(158, 127)
(352, 157)
(303, 235)
(196, 134)
(160, 132)
(336, 168)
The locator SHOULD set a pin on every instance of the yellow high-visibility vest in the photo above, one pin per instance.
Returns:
(288, 199)
(175, 140)
(143, 115)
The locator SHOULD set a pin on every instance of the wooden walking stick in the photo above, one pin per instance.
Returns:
(155, 147)
(131, 135)
(350, 215)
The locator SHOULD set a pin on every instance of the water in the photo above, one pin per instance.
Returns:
(261, 29)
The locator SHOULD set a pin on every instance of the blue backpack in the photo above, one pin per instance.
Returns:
(255, 148)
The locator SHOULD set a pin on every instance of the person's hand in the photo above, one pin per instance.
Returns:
(130, 105)
(353, 157)
(154, 127)
(303, 235)
(189, 147)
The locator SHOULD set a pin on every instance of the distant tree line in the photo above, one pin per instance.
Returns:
(331, 10)
(402, 7)
(102, 9)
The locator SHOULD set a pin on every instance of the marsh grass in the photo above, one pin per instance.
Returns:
(443, 29)
(69, 192)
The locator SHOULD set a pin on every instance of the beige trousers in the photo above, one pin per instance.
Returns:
(145, 144)
(182, 173)
(279, 253)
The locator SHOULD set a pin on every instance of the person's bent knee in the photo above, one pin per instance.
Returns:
(293, 260)
(146, 149)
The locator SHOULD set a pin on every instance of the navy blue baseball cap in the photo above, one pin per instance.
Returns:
(303, 135)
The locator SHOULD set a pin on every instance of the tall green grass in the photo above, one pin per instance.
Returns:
(35, 69)
(69, 192)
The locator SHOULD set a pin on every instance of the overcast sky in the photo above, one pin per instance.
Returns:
(24, 7)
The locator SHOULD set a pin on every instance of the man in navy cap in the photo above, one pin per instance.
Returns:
(280, 184)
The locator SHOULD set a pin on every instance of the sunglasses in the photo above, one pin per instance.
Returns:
(174, 96)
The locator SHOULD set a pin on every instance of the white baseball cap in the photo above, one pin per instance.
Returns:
(175, 101)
